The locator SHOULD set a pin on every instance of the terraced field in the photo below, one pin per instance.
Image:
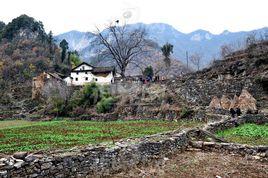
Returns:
(251, 134)
(20, 135)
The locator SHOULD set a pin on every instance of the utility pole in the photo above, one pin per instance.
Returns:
(187, 60)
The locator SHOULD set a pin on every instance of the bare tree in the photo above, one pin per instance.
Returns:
(251, 39)
(226, 50)
(123, 44)
(196, 60)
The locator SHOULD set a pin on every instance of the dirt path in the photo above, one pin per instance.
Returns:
(198, 164)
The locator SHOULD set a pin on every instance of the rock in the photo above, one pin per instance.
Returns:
(30, 158)
(225, 102)
(166, 159)
(215, 103)
(256, 157)
(3, 173)
(197, 144)
(2, 160)
(46, 166)
(10, 161)
(208, 143)
(33, 175)
(20, 155)
(18, 164)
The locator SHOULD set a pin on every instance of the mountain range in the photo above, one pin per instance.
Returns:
(200, 41)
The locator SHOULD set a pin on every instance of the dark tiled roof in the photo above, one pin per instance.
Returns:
(95, 69)
(55, 75)
(103, 69)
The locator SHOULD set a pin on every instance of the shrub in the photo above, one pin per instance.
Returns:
(148, 72)
(105, 93)
(75, 100)
(105, 105)
(91, 94)
(185, 112)
(58, 106)
(77, 111)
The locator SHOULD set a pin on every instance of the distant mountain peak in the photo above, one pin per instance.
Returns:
(199, 35)
(200, 41)
(225, 32)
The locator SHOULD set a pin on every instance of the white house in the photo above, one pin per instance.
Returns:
(86, 73)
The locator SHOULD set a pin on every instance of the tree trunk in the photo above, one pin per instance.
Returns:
(122, 73)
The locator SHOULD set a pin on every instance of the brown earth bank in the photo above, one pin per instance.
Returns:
(199, 164)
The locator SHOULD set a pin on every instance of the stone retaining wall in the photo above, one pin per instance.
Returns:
(94, 161)
(105, 160)
(259, 152)
(126, 87)
(226, 124)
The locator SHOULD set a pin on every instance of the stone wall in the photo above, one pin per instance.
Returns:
(127, 87)
(94, 161)
(229, 123)
(108, 159)
(259, 152)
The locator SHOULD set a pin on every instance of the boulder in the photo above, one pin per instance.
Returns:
(20, 155)
(225, 102)
(215, 103)
(247, 102)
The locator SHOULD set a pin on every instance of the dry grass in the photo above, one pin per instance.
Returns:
(15, 123)
(197, 164)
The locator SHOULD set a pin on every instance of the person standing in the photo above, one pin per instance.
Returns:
(238, 112)
(232, 112)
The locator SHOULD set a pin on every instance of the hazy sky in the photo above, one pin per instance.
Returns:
(185, 15)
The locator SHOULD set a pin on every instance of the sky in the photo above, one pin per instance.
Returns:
(184, 15)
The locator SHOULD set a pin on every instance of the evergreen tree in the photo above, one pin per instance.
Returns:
(24, 22)
(64, 47)
(74, 59)
(148, 72)
(51, 45)
(2, 26)
(167, 49)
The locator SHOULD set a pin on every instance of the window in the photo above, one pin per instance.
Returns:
(76, 73)
(86, 72)
(76, 79)
(96, 79)
(86, 78)
(83, 68)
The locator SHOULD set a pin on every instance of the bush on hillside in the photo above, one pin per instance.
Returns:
(58, 106)
(105, 93)
(105, 105)
(91, 94)
(185, 112)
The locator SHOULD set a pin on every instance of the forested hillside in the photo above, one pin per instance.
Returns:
(26, 50)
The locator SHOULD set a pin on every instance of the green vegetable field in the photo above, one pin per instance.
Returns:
(28, 136)
(252, 134)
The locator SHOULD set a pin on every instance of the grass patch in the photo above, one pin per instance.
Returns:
(251, 134)
(15, 123)
(20, 135)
